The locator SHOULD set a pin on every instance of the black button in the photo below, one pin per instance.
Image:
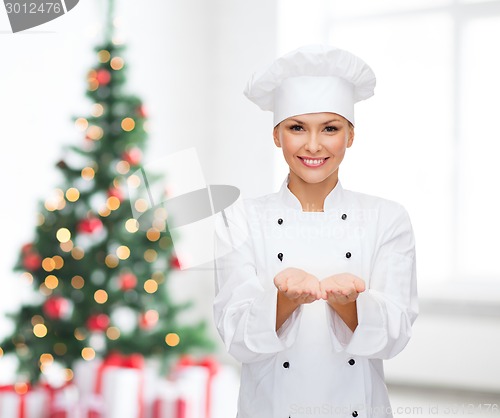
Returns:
(348, 254)
(352, 362)
(344, 216)
(280, 221)
(280, 256)
(355, 414)
(286, 364)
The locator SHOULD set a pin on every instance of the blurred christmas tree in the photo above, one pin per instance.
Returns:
(99, 276)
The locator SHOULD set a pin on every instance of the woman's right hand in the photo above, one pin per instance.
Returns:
(298, 286)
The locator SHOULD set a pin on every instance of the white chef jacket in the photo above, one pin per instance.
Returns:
(314, 365)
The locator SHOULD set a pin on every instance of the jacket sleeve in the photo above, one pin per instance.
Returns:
(244, 305)
(388, 308)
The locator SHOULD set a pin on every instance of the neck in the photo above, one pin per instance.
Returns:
(312, 195)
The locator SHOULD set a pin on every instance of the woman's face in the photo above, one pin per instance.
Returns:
(314, 144)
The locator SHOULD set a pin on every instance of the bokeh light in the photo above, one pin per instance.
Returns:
(63, 235)
(77, 282)
(72, 194)
(88, 353)
(103, 56)
(123, 167)
(95, 132)
(132, 225)
(150, 286)
(48, 264)
(117, 63)
(88, 173)
(172, 339)
(81, 124)
(77, 253)
(113, 333)
(141, 205)
(101, 296)
(113, 203)
(40, 330)
(150, 255)
(123, 252)
(128, 124)
(111, 261)
(51, 282)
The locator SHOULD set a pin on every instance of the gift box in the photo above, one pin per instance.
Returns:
(63, 402)
(184, 397)
(198, 389)
(171, 402)
(225, 389)
(112, 388)
(22, 401)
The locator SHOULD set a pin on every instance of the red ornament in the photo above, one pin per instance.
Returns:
(103, 77)
(141, 111)
(98, 322)
(32, 261)
(127, 281)
(57, 307)
(116, 192)
(149, 319)
(27, 248)
(133, 156)
(89, 226)
(175, 263)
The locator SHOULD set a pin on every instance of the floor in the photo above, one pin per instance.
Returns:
(441, 403)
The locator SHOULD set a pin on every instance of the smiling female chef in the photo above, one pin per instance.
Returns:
(315, 284)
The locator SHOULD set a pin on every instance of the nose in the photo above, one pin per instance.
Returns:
(312, 144)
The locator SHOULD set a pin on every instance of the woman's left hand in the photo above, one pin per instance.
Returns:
(341, 288)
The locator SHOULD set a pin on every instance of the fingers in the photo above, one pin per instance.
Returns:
(308, 294)
(283, 287)
(339, 291)
(303, 288)
(359, 285)
(280, 281)
(345, 282)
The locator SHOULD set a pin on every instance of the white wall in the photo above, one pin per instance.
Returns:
(450, 350)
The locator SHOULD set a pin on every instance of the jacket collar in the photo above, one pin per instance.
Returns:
(330, 203)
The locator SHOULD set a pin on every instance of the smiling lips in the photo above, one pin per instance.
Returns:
(313, 162)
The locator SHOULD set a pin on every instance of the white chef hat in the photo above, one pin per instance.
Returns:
(312, 79)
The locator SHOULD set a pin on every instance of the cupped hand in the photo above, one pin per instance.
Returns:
(298, 285)
(341, 288)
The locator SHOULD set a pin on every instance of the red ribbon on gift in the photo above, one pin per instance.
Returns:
(180, 408)
(22, 397)
(115, 359)
(211, 364)
(54, 412)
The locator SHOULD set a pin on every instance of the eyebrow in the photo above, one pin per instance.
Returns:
(324, 123)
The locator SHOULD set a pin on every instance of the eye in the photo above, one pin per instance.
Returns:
(296, 128)
(331, 129)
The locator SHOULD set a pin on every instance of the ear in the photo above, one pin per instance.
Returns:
(276, 136)
(350, 138)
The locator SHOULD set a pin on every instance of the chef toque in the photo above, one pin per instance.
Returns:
(312, 79)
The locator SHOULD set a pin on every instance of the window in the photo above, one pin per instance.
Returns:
(428, 138)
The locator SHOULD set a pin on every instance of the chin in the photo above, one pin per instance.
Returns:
(313, 178)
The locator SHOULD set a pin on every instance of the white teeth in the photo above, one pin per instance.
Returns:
(313, 162)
